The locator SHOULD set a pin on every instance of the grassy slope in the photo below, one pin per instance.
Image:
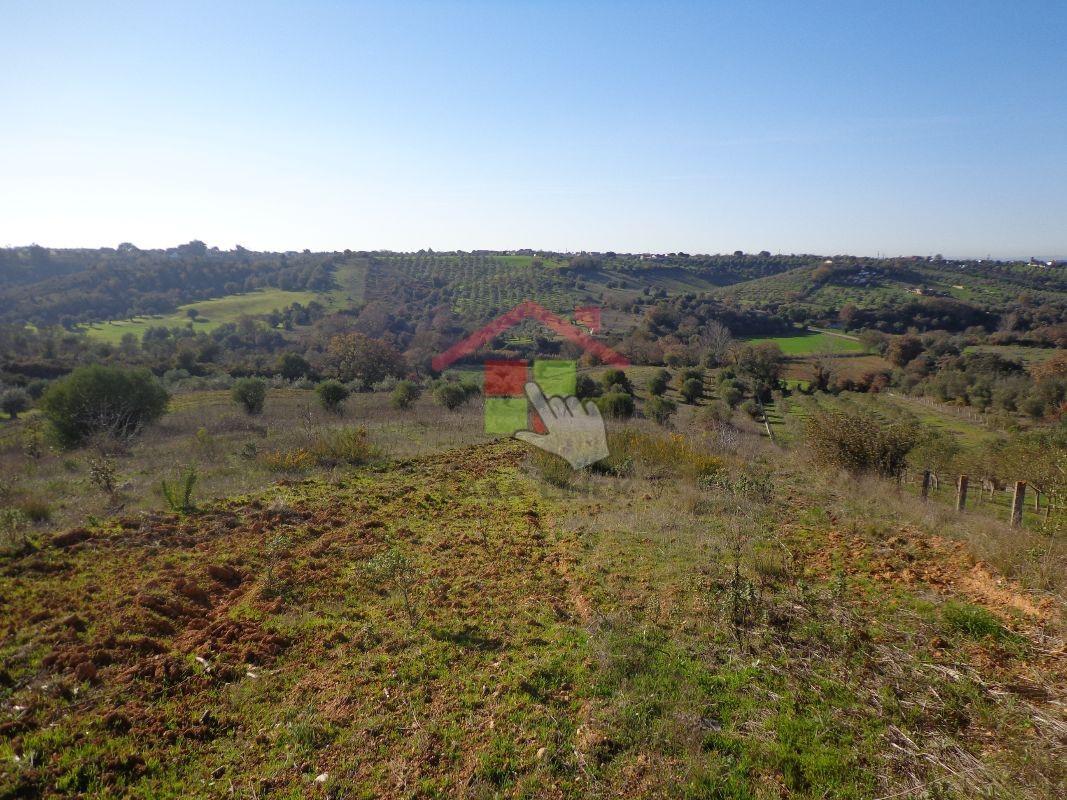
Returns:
(593, 641)
(810, 343)
(212, 313)
(350, 277)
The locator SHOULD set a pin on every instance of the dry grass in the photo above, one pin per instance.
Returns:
(233, 453)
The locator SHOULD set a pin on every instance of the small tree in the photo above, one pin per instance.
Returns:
(450, 395)
(616, 404)
(293, 366)
(692, 390)
(98, 399)
(616, 380)
(13, 402)
(332, 395)
(660, 409)
(657, 385)
(250, 394)
(585, 387)
(404, 394)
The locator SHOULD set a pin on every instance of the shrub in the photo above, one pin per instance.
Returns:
(615, 380)
(250, 394)
(858, 441)
(98, 399)
(13, 402)
(693, 374)
(552, 469)
(692, 390)
(179, 496)
(102, 474)
(35, 509)
(450, 395)
(299, 460)
(344, 446)
(717, 412)
(671, 453)
(404, 394)
(292, 366)
(13, 524)
(617, 405)
(660, 409)
(586, 388)
(395, 571)
(730, 395)
(658, 383)
(332, 395)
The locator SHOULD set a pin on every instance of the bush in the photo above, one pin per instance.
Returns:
(13, 402)
(731, 395)
(292, 366)
(659, 453)
(717, 413)
(250, 394)
(332, 395)
(404, 394)
(450, 395)
(692, 390)
(344, 446)
(615, 380)
(98, 399)
(660, 409)
(552, 469)
(35, 508)
(694, 374)
(617, 405)
(586, 388)
(179, 496)
(658, 383)
(858, 441)
(299, 460)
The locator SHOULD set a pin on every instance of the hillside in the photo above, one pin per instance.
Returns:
(457, 625)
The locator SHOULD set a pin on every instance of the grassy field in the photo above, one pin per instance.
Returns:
(351, 279)
(1026, 355)
(475, 622)
(211, 313)
(812, 343)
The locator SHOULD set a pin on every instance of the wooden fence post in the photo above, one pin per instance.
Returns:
(926, 484)
(961, 493)
(1017, 504)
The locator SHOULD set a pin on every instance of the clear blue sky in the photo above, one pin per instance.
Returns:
(810, 126)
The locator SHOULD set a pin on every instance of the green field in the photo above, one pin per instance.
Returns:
(211, 313)
(1015, 352)
(809, 343)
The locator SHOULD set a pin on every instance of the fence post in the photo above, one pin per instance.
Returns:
(1037, 501)
(961, 493)
(1017, 504)
(926, 484)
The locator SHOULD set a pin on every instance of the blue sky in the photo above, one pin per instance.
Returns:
(865, 127)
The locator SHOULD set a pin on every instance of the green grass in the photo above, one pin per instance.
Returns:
(809, 343)
(1026, 355)
(211, 313)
